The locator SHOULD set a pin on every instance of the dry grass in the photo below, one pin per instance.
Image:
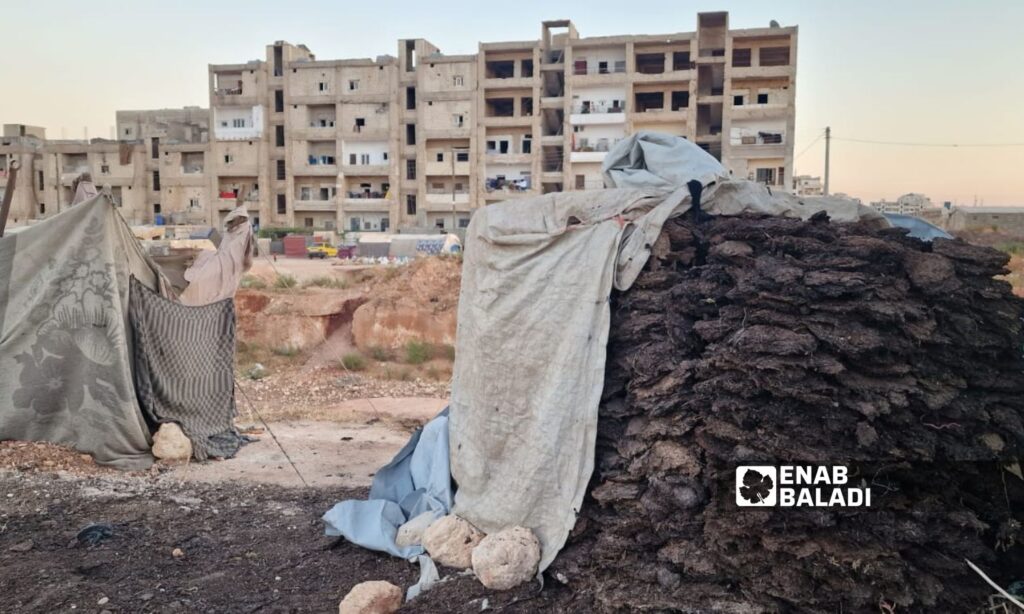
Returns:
(353, 362)
(326, 281)
(285, 282)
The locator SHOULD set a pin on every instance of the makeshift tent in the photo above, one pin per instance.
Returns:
(67, 357)
(533, 328)
(534, 316)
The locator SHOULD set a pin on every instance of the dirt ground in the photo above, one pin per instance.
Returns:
(193, 547)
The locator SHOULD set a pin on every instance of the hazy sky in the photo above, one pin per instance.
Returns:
(908, 71)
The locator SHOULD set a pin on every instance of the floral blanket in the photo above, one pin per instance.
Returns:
(65, 353)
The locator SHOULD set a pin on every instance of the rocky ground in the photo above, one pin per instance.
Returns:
(315, 394)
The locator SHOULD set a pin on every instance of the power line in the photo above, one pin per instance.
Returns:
(910, 144)
(806, 149)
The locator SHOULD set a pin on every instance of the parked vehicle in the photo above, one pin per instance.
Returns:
(321, 250)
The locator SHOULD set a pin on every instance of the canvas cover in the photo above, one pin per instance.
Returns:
(214, 276)
(184, 368)
(534, 312)
(65, 355)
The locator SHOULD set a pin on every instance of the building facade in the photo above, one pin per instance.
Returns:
(420, 140)
(807, 185)
(156, 167)
(908, 204)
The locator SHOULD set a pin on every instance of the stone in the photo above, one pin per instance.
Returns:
(450, 541)
(257, 372)
(177, 553)
(506, 559)
(374, 597)
(24, 546)
(170, 443)
(411, 533)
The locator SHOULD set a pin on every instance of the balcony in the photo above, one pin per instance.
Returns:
(445, 201)
(761, 138)
(597, 113)
(493, 157)
(192, 169)
(762, 72)
(759, 111)
(226, 200)
(320, 165)
(581, 68)
(228, 91)
(507, 185)
(586, 150)
(660, 116)
(314, 205)
(375, 170)
(358, 201)
(496, 83)
(250, 132)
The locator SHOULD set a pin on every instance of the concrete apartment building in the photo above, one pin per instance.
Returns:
(156, 166)
(908, 204)
(420, 140)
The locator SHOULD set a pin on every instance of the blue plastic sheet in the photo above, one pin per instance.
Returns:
(417, 480)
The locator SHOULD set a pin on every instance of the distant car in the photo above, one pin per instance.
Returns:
(321, 250)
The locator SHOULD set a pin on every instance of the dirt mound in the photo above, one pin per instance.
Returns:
(417, 302)
(429, 282)
(774, 341)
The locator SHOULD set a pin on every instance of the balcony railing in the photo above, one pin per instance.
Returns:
(597, 145)
(366, 195)
(762, 138)
(228, 91)
(583, 68)
(502, 184)
(192, 170)
(253, 196)
(321, 123)
(322, 160)
(598, 107)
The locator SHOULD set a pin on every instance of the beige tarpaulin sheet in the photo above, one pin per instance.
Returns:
(65, 355)
(214, 276)
(533, 325)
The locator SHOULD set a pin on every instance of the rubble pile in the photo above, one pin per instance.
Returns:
(766, 341)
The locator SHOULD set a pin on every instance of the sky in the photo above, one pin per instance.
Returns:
(907, 71)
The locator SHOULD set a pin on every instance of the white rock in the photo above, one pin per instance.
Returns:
(450, 541)
(411, 533)
(374, 597)
(170, 443)
(506, 559)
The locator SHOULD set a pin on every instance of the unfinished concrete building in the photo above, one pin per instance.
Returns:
(420, 140)
(155, 168)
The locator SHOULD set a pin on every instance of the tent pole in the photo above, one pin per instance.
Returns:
(12, 182)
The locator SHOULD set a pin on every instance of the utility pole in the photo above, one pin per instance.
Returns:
(828, 139)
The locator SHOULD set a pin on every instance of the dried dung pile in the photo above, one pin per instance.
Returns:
(754, 341)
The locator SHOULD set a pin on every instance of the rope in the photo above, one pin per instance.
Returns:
(272, 435)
